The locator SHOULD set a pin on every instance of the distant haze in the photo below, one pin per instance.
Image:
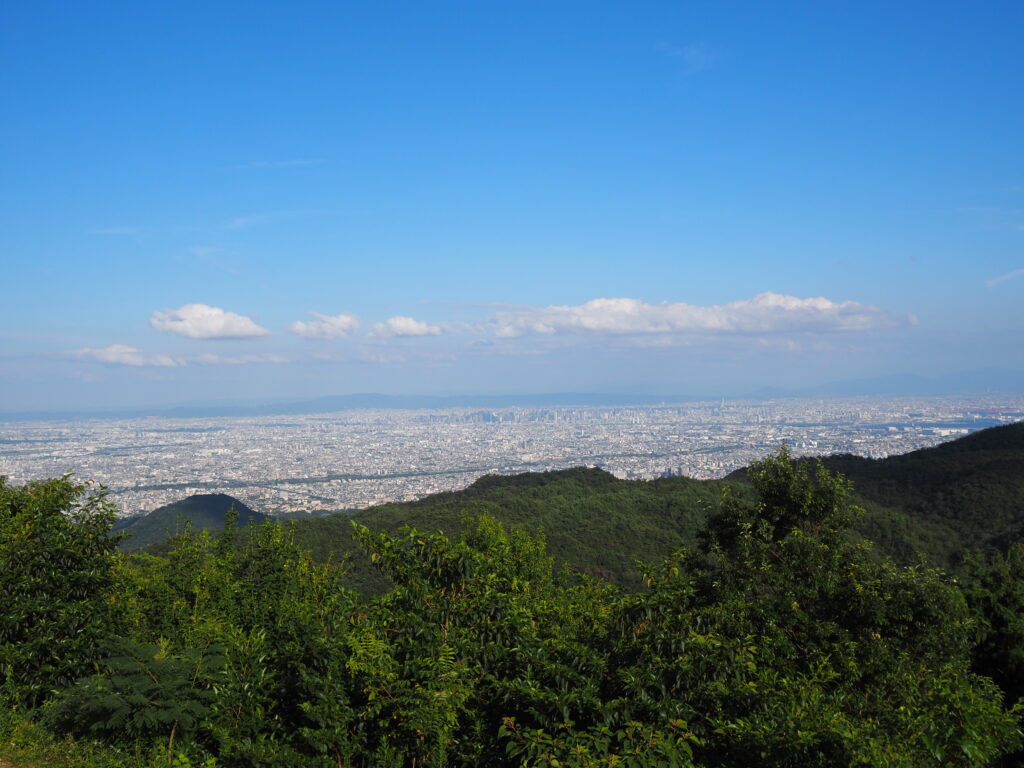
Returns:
(964, 383)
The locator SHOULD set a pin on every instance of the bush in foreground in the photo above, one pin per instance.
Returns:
(781, 641)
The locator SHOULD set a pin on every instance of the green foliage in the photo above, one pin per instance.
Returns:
(27, 744)
(57, 576)
(279, 621)
(961, 495)
(789, 558)
(994, 586)
(792, 645)
(469, 625)
(595, 523)
(141, 694)
(634, 745)
(867, 643)
(784, 640)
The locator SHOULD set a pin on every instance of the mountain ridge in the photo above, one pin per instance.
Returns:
(940, 501)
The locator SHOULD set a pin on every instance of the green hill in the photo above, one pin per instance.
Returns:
(202, 511)
(593, 521)
(939, 502)
(942, 501)
(961, 495)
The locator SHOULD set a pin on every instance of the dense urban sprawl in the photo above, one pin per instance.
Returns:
(354, 459)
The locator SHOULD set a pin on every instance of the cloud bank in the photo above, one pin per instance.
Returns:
(325, 326)
(404, 326)
(122, 354)
(200, 321)
(776, 320)
(766, 313)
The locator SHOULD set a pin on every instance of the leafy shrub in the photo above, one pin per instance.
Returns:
(142, 694)
(784, 641)
(57, 575)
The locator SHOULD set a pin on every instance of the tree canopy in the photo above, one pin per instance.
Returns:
(779, 639)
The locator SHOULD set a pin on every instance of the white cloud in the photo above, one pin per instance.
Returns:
(1003, 278)
(326, 326)
(122, 354)
(200, 321)
(404, 326)
(764, 314)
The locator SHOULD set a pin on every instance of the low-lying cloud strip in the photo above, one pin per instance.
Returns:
(122, 354)
(766, 313)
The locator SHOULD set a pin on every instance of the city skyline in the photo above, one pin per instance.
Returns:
(228, 203)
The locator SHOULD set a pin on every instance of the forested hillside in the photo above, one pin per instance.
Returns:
(939, 502)
(593, 522)
(781, 638)
(201, 511)
(963, 494)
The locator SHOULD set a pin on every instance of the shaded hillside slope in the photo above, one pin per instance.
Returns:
(937, 502)
(203, 511)
(593, 521)
(960, 495)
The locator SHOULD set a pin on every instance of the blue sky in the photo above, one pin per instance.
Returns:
(504, 197)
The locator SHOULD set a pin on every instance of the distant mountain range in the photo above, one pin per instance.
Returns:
(967, 382)
(356, 401)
